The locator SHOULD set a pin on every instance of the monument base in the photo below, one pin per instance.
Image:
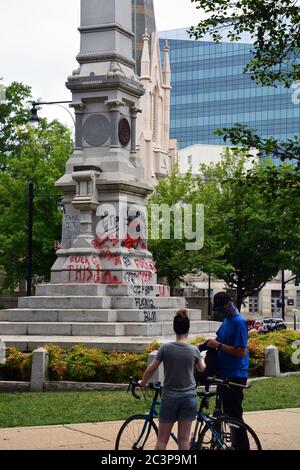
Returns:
(109, 317)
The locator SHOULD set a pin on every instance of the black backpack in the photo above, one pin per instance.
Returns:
(211, 361)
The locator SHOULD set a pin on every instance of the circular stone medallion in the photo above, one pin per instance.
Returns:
(124, 132)
(96, 130)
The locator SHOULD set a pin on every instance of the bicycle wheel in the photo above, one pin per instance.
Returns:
(137, 433)
(227, 434)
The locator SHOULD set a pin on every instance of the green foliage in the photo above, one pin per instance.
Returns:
(53, 408)
(18, 365)
(273, 25)
(256, 355)
(27, 155)
(252, 222)
(173, 260)
(14, 113)
(58, 363)
(198, 340)
(258, 230)
(81, 364)
(242, 135)
(281, 339)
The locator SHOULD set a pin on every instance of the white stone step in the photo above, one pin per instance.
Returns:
(58, 315)
(115, 343)
(160, 315)
(92, 302)
(71, 289)
(147, 303)
(99, 329)
(70, 302)
(102, 290)
(91, 316)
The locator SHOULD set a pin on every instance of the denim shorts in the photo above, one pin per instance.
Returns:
(178, 409)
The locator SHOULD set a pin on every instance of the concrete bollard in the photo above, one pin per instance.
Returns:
(39, 369)
(272, 365)
(2, 353)
(158, 376)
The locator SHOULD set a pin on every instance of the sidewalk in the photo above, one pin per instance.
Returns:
(277, 430)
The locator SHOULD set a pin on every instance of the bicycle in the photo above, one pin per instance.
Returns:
(212, 432)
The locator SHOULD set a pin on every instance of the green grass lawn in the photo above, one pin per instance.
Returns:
(36, 409)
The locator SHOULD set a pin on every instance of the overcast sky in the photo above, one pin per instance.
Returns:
(39, 41)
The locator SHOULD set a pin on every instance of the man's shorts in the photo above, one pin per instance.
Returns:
(178, 409)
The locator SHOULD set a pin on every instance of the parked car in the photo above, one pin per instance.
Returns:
(274, 324)
(280, 324)
(270, 323)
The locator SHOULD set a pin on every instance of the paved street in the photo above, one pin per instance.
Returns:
(277, 430)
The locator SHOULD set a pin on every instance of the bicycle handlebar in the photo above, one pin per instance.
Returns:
(133, 384)
(226, 383)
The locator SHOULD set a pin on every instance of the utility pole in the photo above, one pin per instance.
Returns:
(209, 297)
(29, 240)
(282, 295)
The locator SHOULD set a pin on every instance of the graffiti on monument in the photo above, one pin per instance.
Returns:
(150, 316)
(144, 303)
(71, 226)
(84, 269)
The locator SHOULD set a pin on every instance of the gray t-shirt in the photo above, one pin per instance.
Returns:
(179, 362)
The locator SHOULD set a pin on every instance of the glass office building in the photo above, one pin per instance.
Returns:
(143, 18)
(210, 91)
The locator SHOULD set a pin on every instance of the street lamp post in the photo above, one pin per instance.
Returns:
(34, 119)
(209, 297)
(30, 238)
(283, 284)
(34, 122)
(282, 295)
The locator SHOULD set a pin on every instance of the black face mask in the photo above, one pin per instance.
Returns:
(227, 312)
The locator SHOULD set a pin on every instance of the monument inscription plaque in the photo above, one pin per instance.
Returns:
(96, 130)
(124, 132)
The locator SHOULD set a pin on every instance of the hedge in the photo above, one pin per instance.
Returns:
(82, 364)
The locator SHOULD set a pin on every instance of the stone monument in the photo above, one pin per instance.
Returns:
(103, 289)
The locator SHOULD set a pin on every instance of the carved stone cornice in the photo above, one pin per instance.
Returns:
(106, 27)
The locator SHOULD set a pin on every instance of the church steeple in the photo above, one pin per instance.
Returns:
(167, 67)
(145, 62)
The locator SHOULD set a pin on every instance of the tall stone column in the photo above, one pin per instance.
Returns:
(78, 107)
(104, 181)
(133, 153)
(115, 107)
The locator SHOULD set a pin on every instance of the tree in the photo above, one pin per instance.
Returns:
(38, 156)
(275, 29)
(172, 259)
(14, 112)
(259, 229)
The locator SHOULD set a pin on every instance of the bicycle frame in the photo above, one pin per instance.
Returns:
(201, 420)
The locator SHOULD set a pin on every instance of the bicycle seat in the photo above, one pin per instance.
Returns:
(206, 394)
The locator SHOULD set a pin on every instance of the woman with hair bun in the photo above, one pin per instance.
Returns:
(179, 398)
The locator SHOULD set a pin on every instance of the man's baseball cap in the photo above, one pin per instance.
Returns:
(221, 299)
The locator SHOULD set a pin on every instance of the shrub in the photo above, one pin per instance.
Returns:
(57, 362)
(84, 365)
(198, 340)
(87, 365)
(18, 365)
(283, 340)
(256, 355)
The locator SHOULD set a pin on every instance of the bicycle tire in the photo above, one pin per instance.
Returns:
(121, 440)
(209, 443)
